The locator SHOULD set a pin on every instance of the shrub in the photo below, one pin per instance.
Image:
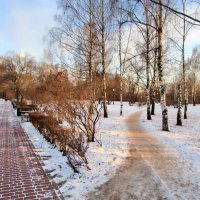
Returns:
(71, 143)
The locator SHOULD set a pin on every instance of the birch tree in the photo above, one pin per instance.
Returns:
(121, 69)
(193, 64)
(185, 95)
(183, 30)
(160, 69)
(103, 58)
(124, 38)
(148, 60)
(77, 42)
(155, 67)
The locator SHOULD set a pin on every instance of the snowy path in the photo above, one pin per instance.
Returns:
(153, 171)
(21, 174)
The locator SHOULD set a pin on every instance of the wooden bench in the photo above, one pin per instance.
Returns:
(25, 116)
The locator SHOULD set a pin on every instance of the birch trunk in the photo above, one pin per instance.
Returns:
(90, 63)
(155, 68)
(153, 85)
(121, 70)
(179, 117)
(160, 70)
(183, 63)
(148, 63)
(91, 92)
(103, 60)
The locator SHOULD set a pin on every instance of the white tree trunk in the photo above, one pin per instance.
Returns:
(121, 70)
(103, 60)
(183, 63)
(148, 63)
(160, 71)
(179, 115)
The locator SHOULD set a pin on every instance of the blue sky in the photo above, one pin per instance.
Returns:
(23, 25)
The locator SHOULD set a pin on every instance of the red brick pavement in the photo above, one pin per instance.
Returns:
(21, 174)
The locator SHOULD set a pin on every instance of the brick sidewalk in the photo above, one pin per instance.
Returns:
(21, 174)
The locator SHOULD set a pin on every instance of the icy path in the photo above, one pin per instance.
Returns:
(21, 174)
(153, 171)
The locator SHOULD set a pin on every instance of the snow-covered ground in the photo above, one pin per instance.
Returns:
(185, 139)
(103, 160)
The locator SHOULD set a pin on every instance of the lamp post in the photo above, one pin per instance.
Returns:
(113, 95)
(133, 97)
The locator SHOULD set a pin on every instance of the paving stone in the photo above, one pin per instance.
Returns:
(20, 169)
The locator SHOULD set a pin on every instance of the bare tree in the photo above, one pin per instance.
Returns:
(184, 34)
(124, 38)
(193, 64)
(103, 58)
(155, 64)
(77, 114)
(148, 60)
(19, 69)
(160, 69)
(81, 35)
